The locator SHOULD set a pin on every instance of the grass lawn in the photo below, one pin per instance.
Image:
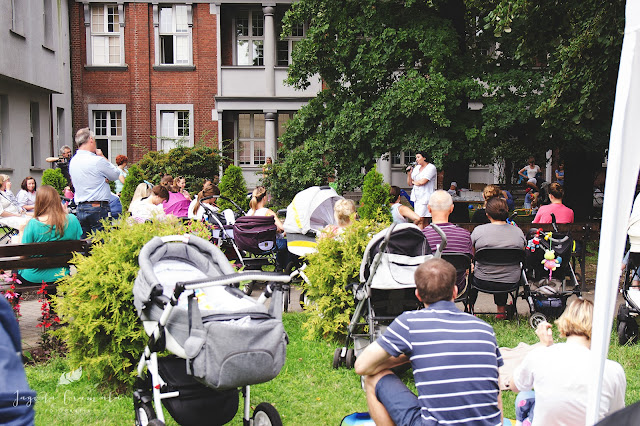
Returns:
(307, 391)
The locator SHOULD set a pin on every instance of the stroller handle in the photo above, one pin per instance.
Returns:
(236, 278)
(443, 237)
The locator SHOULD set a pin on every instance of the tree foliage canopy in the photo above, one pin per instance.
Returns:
(398, 75)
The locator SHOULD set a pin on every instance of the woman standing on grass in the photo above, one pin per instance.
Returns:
(50, 223)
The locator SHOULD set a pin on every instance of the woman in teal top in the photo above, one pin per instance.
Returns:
(50, 223)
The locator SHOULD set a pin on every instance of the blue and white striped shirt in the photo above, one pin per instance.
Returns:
(455, 360)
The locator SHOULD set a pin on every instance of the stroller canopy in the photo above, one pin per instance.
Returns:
(311, 209)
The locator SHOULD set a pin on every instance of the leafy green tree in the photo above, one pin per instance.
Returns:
(131, 182)
(54, 178)
(375, 198)
(234, 187)
(395, 78)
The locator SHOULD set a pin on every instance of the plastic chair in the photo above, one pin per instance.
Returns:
(500, 257)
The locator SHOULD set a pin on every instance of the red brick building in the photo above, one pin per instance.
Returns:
(149, 75)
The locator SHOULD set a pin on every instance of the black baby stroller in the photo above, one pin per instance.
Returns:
(628, 310)
(549, 266)
(219, 338)
(387, 286)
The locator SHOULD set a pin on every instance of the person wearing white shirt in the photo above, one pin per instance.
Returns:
(423, 179)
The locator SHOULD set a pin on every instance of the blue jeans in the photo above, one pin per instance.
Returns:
(90, 217)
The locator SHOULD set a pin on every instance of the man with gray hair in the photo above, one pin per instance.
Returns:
(458, 239)
(90, 170)
(63, 162)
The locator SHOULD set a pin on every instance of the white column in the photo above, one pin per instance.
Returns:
(384, 167)
(270, 144)
(269, 50)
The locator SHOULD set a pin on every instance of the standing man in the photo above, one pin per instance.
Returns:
(422, 177)
(454, 355)
(63, 162)
(90, 170)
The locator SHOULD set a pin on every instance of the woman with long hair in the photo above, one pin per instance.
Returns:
(562, 213)
(208, 190)
(150, 208)
(27, 194)
(50, 223)
(180, 184)
(177, 204)
(11, 214)
(121, 162)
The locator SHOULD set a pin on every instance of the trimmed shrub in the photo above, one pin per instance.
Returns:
(131, 182)
(54, 178)
(194, 164)
(330, 270)
(375, 198)
(103, 333)
(234, 187)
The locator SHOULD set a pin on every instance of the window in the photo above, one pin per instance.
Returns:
(175, 126)
(249, 25)
(34, 132)
(47, 13)
(61, 138)
(286, 45)
(106, 38)
(283, 119)
(107, 126)
(174, 35)
(403, 158)
(18, 16)
(251, 149)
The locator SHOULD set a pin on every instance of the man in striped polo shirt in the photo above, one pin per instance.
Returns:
(454, 355)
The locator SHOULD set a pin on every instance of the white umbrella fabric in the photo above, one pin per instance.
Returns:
(622, 173)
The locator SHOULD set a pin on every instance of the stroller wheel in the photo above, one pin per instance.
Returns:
(145, 415)
(350, 360)
(266, 414)
(337, 358)
(627, 332)
(536, 318)
(304, 300)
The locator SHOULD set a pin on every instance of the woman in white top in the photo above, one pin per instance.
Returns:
(559, 373)
(423, 179)
(10, 213)
(399, 212)
(196, 211)
(27, 195)
(150, 208)
(529, 172)
(257, 208)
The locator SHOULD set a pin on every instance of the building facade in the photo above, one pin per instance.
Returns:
(150, 75)
(35, 85)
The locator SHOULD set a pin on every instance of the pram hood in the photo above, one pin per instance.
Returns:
(311, 209)
(406, 250)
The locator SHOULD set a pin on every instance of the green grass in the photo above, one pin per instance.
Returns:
(307, 391)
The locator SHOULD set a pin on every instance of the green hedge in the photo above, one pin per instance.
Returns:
(102, 331)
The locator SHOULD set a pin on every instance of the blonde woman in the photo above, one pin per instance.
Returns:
(489, 192)
(344, 212)
(11, 214)
(196, 211)
(560, 387)
(50, 223)
(143, 190)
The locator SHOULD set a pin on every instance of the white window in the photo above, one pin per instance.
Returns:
(174, 35)
(48, 21)
(106, 35)
(34, 132)
(286, 45)
(403, 158)
(250, 146)
(249, 31)
(175, 126)
(283, 119)
(108, 128)
(18, 15)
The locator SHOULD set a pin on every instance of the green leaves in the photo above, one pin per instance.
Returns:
(234, 187)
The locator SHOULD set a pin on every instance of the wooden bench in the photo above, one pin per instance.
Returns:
(53, 254)
(580, 232)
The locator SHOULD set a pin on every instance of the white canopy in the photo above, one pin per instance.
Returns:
(622, 174)
(311, 208)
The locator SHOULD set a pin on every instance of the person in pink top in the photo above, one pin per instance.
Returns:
(563, 213)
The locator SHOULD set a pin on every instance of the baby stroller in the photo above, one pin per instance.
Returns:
(219, 338)
(386, 287)
(309, 212)
(548, 263)
(629, 310)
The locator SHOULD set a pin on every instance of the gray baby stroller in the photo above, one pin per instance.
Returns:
(387, 286)
(220, 340)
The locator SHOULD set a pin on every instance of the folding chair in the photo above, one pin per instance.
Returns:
(500, 257)
(462, 263)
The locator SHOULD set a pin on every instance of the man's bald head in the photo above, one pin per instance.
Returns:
(440, 201)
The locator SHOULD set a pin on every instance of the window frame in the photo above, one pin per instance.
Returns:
(403, 155)
(250, 38)
(160, 138)
(122, 109)
(157, 11)
(252, 139)
(92, 37)
(290, 40)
